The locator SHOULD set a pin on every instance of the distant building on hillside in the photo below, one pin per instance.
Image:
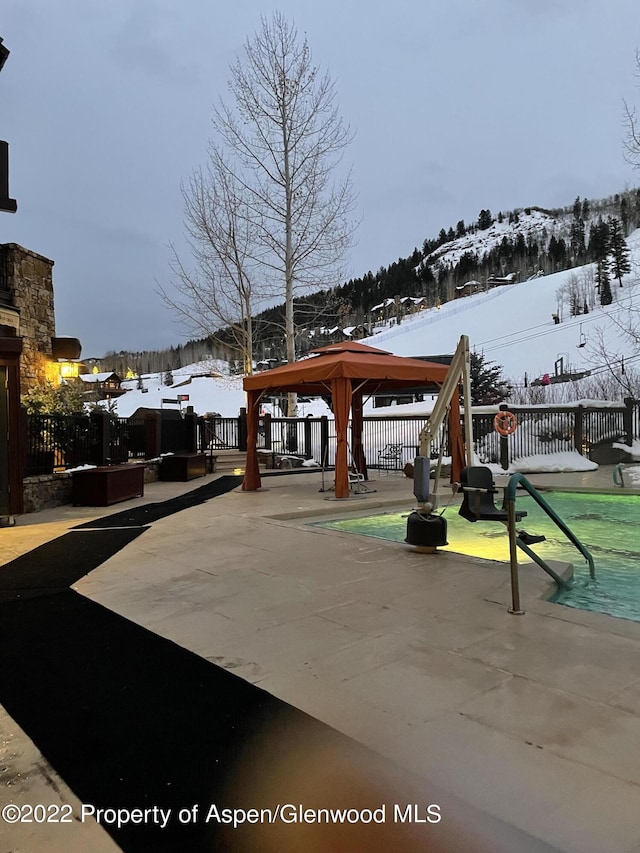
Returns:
(467, 289)
(106, 385)
(355, 333)
(497, 280)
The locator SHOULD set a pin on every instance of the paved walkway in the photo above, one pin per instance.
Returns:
(533, 719)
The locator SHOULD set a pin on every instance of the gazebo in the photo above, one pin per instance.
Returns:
(347, 371)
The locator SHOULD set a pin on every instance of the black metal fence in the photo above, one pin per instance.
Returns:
(59, 441)
(119, 450)
(173, 436)
(135, 436)
(62, 442)
(544, 431)
(216, 433)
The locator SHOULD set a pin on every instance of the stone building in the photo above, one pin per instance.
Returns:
(26, 285)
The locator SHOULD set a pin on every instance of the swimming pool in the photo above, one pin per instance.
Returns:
(608, 526)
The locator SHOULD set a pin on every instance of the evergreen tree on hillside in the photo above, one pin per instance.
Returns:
(488, 386)
(557, 251)
(484, 220)
(577, 208)
(460, 229)
(599, 241)
(619, 262)
(603, 283)
(624, 216)
(576, 232)
(168, 375)
(467, 265)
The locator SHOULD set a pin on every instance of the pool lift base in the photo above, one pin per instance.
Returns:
(426, 532)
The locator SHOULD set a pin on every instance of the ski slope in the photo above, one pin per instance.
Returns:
(512, 325)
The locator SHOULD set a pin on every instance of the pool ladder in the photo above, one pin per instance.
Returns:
(516, 539)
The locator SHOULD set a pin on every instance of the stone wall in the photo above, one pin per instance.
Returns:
(29, 282)
(51, 490)
(46, 491)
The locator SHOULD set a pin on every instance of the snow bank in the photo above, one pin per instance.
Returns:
(552, 463)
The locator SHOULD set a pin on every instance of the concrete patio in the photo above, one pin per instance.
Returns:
(533, 719)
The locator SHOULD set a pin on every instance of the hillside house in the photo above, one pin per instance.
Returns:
(355, 333)
(384, 311)
(412, 304)
(105, 385)
(468, 289)
(497, 280)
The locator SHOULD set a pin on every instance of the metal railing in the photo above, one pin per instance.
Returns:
(64, 441)
(59, 441)
(516, 542)
(217, 433)
(119, 450)
(135, 431)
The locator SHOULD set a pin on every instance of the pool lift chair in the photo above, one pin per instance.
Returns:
(478, 488)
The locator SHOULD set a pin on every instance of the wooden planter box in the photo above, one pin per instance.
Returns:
(107, 485)
(183, 466)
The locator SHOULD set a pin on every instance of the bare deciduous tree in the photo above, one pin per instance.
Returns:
(632, 136)
(221, 291)
(286, 142)
(271, 208)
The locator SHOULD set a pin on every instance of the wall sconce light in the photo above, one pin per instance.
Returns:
(69, 369)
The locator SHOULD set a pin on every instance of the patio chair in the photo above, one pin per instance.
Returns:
(478, 488)
(390, 458)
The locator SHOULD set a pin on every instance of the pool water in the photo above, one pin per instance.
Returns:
(607, 525)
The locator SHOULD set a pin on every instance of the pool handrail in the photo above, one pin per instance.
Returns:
(510, 494)
(515, 541)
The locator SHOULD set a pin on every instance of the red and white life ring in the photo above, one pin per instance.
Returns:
(505, 423)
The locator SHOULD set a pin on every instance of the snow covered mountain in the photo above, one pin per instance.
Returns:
(531, 224)
(513, 325)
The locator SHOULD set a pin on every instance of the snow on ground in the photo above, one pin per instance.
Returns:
(531, 224)
(565, 461)
(551, 463)
(512, 325)
(633, 451)
(632, 476)
(221, 394)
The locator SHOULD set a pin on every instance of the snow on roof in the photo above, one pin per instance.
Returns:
(384, 304)
(97, 377)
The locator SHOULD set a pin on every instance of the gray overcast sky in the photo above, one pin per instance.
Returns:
(457, 106)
